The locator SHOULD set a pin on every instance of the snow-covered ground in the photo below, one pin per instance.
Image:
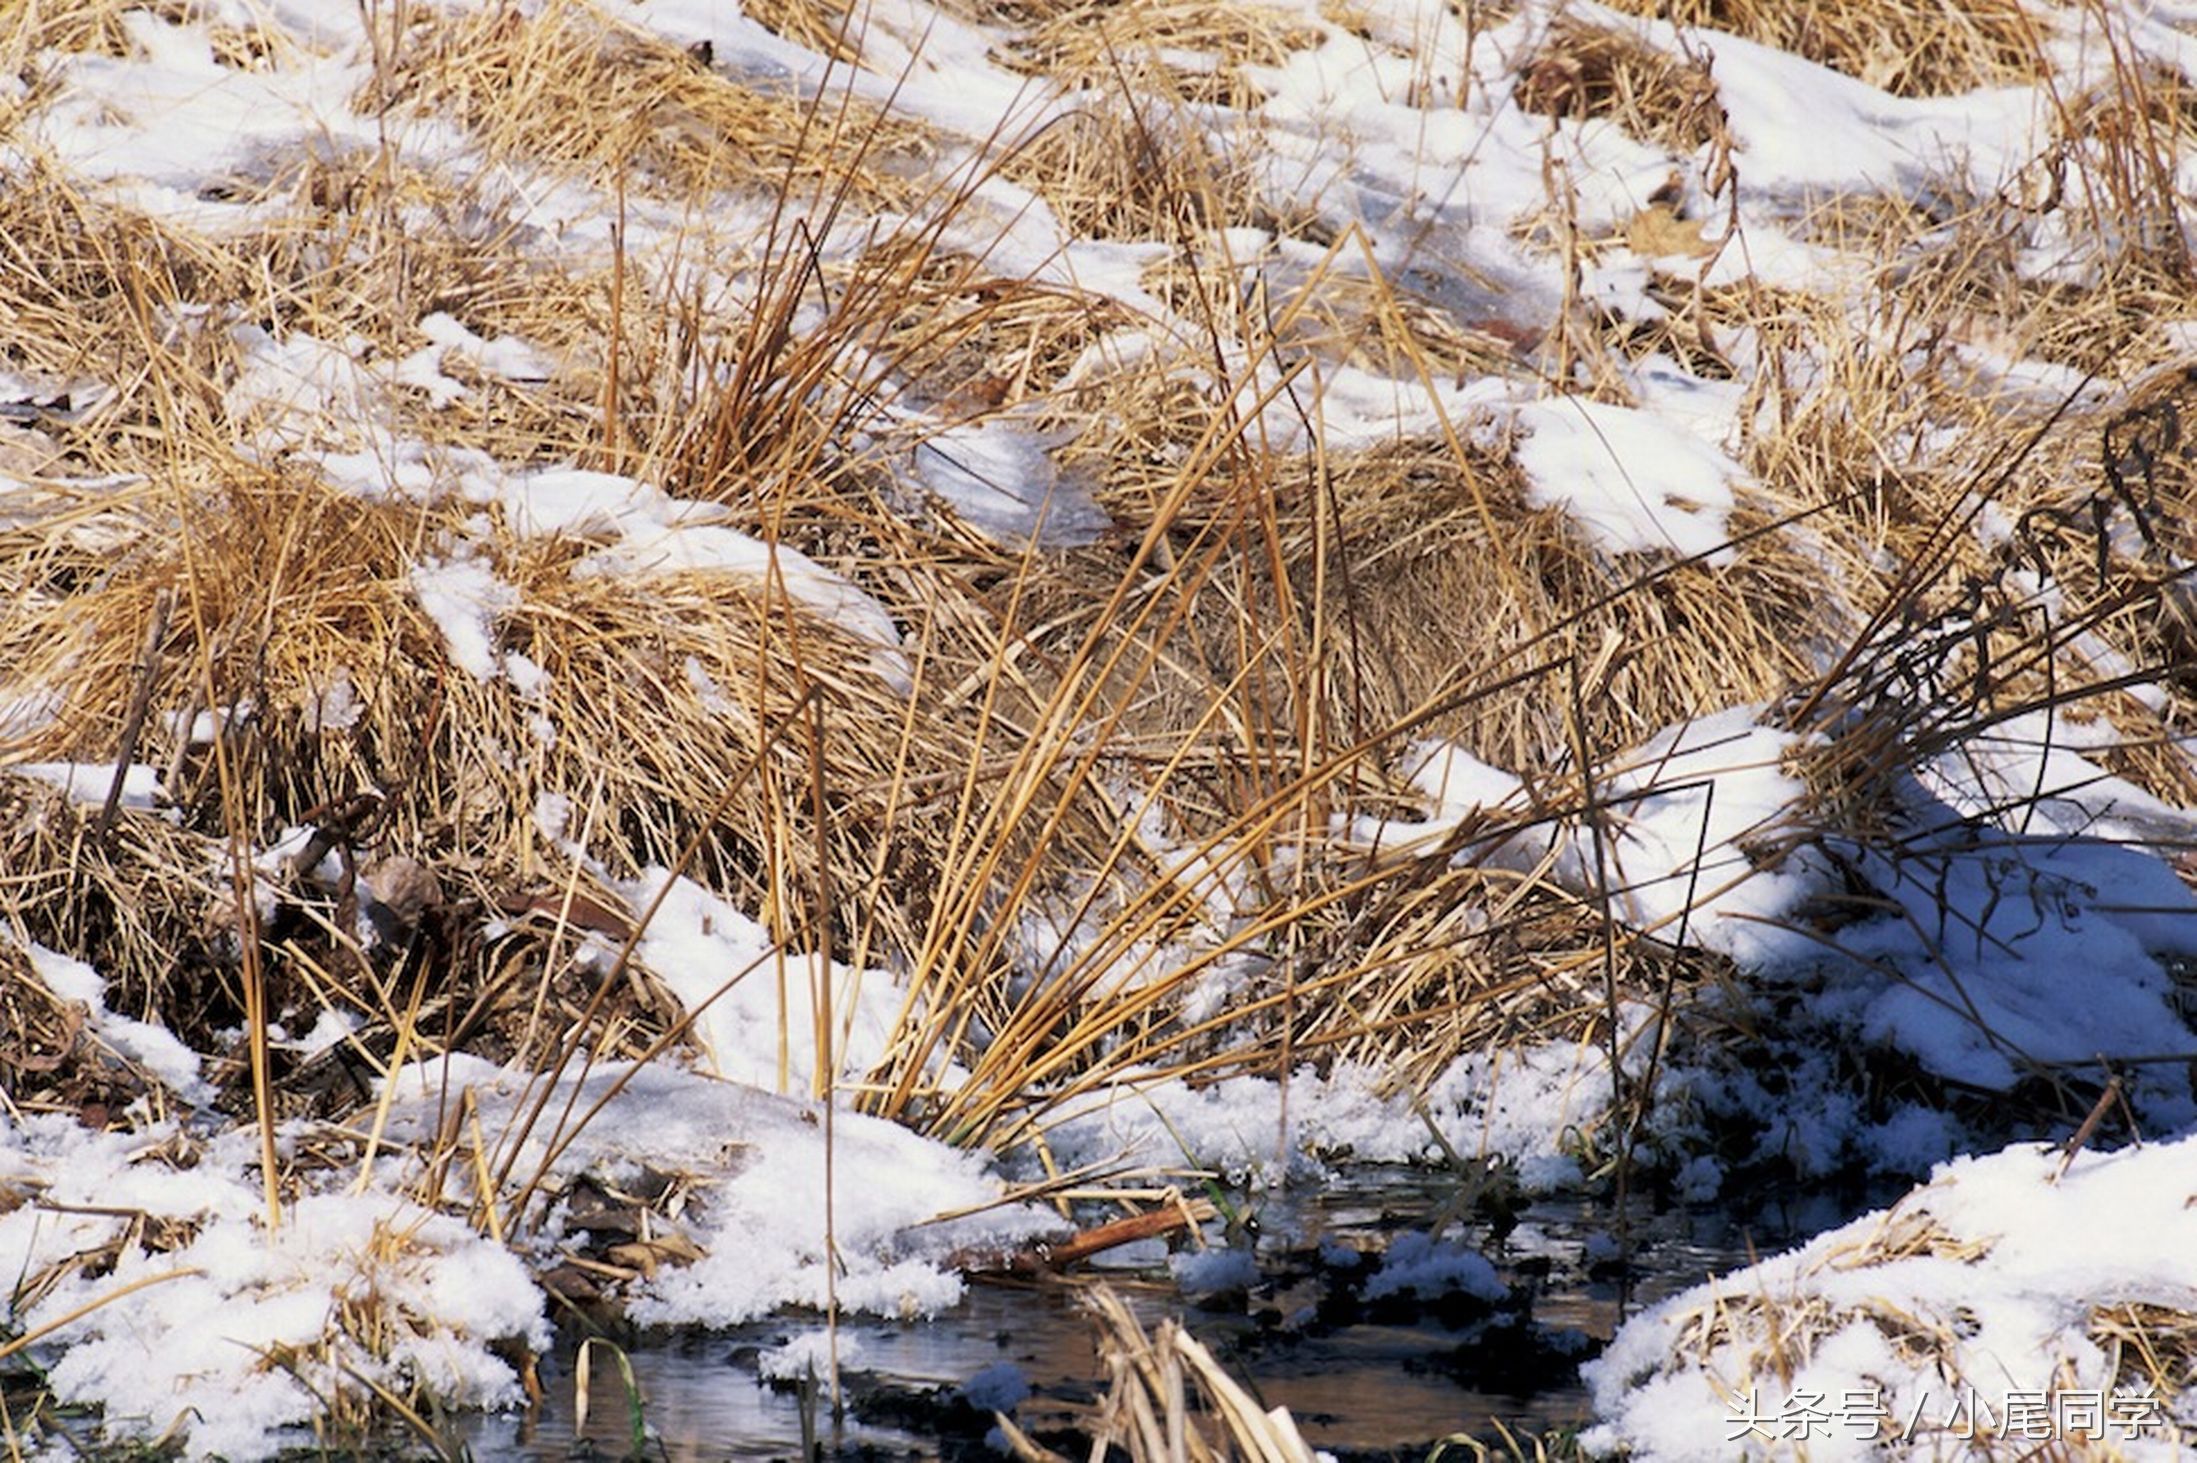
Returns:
(2018, 920)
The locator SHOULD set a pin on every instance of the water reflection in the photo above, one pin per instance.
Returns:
(1357, 1378)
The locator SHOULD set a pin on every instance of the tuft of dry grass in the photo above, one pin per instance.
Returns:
(1579, 69)
(2153, 1347)
(572, 87)
(821, 26)
(1143, 167)
(1167, 1400)
(1908, 50)
(1775, 1335)
(1124, 49)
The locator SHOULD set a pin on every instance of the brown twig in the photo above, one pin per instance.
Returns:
(141, 699)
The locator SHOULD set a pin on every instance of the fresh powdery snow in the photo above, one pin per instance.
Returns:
(770, 1159)
(1422, 1265)
(175, 1338)
(153, 1047)
(757, 1007)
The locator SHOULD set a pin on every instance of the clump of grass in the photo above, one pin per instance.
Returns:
(821, 26)
(1755, 1343)
(1117, 48)
(1579, 69)
(145, 901)
(1908, 50)
(971, 341)
(2154, 1349)
(1140, 167)
(1168, 1398)
(571, 87)
(1776, 1335)
(2115, 158)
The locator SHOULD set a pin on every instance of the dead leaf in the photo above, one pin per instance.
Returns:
(648, 1255)
(1657, 231)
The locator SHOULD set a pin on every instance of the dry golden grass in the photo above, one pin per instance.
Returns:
(1139, 169)
(2154, 1348)
(820, 25)
(570, 86)
(975, 342)
(1168, 1400)
(1763, 1335)
(1761, 1339)
(1123, 48)
(1584, 70)
(1121, 777)
(1151, 737)
(1909, 50)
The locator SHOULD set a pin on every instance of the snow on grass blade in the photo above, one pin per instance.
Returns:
(1993, 1303)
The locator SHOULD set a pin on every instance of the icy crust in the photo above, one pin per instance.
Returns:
(2003, 949)
(153, 126)
(87, 785)
(998, 478)
(2006, 951)
(1966, 1310)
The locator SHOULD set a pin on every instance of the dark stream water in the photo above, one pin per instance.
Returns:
(1362, 1379)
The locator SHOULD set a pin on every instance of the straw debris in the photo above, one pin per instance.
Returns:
(1167, 1398)
(1107, 48)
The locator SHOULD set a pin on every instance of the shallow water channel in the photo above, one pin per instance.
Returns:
(1362, 1378)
